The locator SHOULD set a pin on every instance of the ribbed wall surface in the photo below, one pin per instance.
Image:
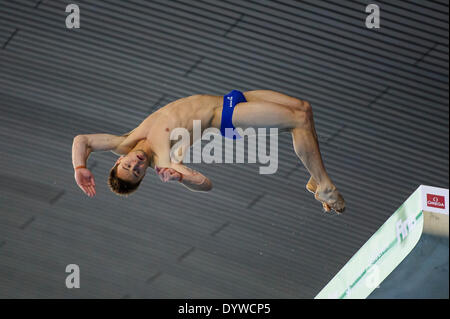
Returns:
(380, 101)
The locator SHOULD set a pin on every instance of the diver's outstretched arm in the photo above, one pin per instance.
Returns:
(82, 147)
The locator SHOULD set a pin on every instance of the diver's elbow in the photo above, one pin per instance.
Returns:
(208, 186)
(79, 139)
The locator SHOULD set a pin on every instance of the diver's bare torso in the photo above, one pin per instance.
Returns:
(156, 128)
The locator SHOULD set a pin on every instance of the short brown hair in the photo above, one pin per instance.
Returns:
(119, 186)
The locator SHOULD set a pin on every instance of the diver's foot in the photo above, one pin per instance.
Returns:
(311, 186)
(330, 198)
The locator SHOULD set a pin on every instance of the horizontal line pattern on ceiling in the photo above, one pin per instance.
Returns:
(380, 101)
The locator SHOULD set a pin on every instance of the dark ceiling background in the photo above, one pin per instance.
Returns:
(380, 101)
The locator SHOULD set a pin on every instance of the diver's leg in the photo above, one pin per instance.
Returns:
(298, 119)
(284, 106)
(306, 147)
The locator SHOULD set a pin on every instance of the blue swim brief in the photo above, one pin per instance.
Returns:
(229, 102)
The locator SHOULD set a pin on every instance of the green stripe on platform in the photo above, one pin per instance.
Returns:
(380, 255)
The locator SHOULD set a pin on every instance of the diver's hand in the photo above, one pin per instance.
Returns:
(85, 180)
(167, 174)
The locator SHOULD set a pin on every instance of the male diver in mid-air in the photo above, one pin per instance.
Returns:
(149, 144)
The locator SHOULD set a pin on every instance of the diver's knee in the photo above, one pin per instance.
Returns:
(306, 106)
(301, 105)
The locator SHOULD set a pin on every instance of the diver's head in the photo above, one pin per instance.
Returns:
(128, 172)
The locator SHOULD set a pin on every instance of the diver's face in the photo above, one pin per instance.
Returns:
(132, 167)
